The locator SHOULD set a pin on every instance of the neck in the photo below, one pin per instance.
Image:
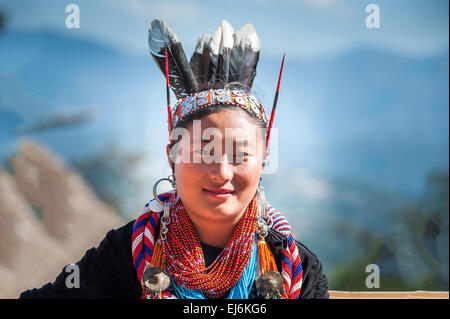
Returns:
(214, 233)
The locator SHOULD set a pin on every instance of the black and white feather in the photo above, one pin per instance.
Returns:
(219, 59)
(245, 55)
(201, 60)
(226, 45)
(181, 78)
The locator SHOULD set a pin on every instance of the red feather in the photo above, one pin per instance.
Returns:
(275, 100)
(169, 108)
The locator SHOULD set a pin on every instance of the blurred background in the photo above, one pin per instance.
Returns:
(362, 118)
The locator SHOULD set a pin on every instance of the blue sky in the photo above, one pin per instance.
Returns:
(302, 28)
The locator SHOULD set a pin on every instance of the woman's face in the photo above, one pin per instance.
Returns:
(222, 157)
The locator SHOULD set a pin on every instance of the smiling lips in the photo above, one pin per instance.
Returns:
(219, 193)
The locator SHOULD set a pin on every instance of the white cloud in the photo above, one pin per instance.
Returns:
(317, 3)
(147, 9)
(309, 186)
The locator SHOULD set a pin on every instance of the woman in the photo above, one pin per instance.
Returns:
(213, 235)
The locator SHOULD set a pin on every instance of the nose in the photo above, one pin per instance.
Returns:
(221, 172)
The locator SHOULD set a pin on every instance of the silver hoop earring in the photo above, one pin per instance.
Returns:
(165, 219)
(264, 220)
(171, 180)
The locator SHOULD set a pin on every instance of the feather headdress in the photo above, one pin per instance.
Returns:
(219, 59)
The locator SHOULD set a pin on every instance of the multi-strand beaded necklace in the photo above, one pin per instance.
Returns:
(181, 255)
(184, 257)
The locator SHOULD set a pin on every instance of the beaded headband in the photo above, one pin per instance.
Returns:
(192, 103)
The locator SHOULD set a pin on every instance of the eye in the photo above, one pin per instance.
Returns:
(241, 156)
(203, 152)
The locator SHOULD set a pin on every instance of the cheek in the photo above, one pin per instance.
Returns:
(248, 175)
(182, 172)
(187, 175)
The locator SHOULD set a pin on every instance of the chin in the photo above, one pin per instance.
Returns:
(223, 212)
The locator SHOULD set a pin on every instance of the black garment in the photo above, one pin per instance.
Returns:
(210, 253)
(108, 271)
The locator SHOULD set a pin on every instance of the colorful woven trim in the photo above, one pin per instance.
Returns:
(143, 240)
(204, 99)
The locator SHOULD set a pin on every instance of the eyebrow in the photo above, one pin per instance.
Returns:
(236, 142)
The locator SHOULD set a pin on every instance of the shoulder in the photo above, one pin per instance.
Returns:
(104, 272)
(116, 242)
(315, 283)
(121, 234)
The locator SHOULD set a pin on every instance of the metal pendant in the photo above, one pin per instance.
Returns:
(269, 284)
(155, 280)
